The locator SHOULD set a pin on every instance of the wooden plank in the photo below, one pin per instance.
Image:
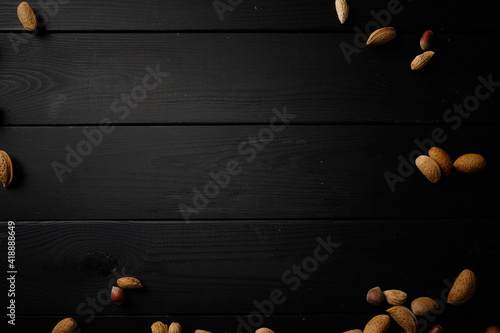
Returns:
(304, 172)
(230, 267)
(239, 78)
(279, 323)
(289, 15)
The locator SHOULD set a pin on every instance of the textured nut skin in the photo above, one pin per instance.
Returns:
(159, 327)
(117, 295)
(436, 329)
(67, 325)
(442, 159)
(395, 297)
(342, 9)
(426, 39)
(381, 36)
(429, 168)
(470, 163)
(129, 283)
(354, 331)
(424, 305)
(264, 330)
(421, 60)
(378, 324)
(201, 331)
(404, 317)
(493, 329)
(175, 328)
(6, 169)
(375, 296)
(26, 16)
(463, 288)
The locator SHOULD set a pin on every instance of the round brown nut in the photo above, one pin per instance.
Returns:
(493, 329)
(436, 329)
(424, 305)
(375, 296)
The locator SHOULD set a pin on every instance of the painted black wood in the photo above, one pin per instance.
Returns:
(224, 78)
(226, 267)
(305, 172)
(228, 324)
(287, 15)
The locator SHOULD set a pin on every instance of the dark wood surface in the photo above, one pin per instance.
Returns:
(117, 212)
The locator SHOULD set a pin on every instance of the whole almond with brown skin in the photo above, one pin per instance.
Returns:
(129, 283)
(378, 324)
(354, 331)
(421, 60)
(264, 330)
(404, 317)
(424, 305)
(436, 329)
(426, 39)
(175, 328)
(470, 163)
(375, 296)
(381, 36)
(442, 159)
(26, 16)
(159, 327)
(67, 325)
(395, 297)
(342, 10)
(493, 329)
(429, 168)
(463, 288)
(6, 170)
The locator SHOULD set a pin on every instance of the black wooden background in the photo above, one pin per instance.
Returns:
(117, 211)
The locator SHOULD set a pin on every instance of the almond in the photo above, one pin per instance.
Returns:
(381, 36)
(175, 328)
(426, 39)
(404, 317)
(67, 325)
(378, 324)
(470, 163)
(395, 297)
(6, 170)
(442, 159)
(159, 327)
(342, 10)
(26, 16)
(429, 168)
(129, 283)
(354, 331)
(463, 288)
(424, 305)
(375, 296)
(421, 60)
(264, 330)
(201, 331)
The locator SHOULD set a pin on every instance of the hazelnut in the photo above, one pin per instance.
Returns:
(493, 329)
(375, 296)
(436, 329)
(117, 295)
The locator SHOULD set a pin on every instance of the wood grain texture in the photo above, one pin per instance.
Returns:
(305, 172)
(227, 324)
(225, 267)
(288, 15)
(223, 78)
